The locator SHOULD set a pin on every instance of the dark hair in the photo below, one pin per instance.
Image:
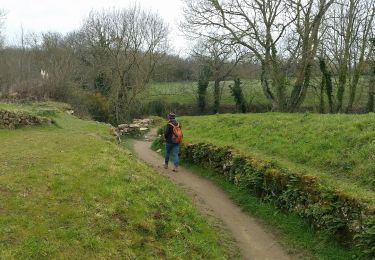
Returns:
(171, 115)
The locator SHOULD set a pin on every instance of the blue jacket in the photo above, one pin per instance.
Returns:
(168, 131)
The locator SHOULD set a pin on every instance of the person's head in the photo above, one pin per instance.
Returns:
(171, 116)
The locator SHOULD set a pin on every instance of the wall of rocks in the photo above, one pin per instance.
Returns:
(12, 120)
(136, 128)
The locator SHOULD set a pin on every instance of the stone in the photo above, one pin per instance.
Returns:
(134, 126)
(123, 126)
(69, 112)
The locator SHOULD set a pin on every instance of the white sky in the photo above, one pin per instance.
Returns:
(67, 15)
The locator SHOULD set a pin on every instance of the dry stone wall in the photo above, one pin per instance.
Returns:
(12, 120)
(136, 128)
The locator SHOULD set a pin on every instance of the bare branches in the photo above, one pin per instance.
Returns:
(346, 44)
(271, 30)
(126, 44)
(250, 23)
(2, 19)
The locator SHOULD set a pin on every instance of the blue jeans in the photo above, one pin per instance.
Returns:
(175, 148)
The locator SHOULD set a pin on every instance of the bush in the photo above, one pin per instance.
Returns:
(202, 93)
(238, 96)
(99, 108)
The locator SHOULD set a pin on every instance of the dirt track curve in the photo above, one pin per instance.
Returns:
(252, 240)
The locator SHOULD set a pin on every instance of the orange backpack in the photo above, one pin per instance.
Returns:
(177, 133)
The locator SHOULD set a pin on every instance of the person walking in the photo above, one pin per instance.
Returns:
(173, 138)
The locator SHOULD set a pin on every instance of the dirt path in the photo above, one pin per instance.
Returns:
(253, 241)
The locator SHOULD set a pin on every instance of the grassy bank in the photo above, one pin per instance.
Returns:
(338, 148)
(317, 166)
(67, 191)
(294, 232)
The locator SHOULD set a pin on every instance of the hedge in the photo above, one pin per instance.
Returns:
(350, 219)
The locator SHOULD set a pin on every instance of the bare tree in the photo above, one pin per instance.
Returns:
(260, 27)
(2, 19)
(58, 60)
(309, 16)
(248, 23)
(127, 44)
(346, 45)
(19, 70)
(371, 82)
(221, 58)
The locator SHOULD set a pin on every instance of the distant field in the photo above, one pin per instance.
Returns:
(185, 93)
(69, 192)
(337, 148)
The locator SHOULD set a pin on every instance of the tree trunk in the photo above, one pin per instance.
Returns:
(310, 42)
(343, 69)
(371, 90)
(265, 87)
(329, 91)
(300, 86)
(353, 89)
(321, 103)
(278, 80)
(357, 72)
(216, 96)
(202, 93)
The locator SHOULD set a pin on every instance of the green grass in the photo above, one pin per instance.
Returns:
(337, 148)
(69, 192)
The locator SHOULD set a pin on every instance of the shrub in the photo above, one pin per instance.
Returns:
(99, 108)
(202, 93)
(238, 95)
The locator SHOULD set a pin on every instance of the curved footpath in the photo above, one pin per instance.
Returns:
(254, 242)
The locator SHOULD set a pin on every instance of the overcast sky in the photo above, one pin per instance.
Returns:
(67, 15)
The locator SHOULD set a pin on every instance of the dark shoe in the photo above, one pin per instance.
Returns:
(175, 169)
(165, 166)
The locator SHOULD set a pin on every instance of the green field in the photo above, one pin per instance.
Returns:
(67, 191)
(339, 149)
(185, 93)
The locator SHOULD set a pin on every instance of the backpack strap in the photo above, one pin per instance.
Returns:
(178, 125)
